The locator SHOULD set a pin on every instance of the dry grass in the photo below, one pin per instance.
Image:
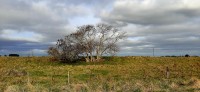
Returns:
(116, 74)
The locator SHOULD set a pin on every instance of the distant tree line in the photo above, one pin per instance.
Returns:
(186, 55)
(89, 41)
(12, 55)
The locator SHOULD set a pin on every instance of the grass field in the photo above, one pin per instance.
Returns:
(115, 74)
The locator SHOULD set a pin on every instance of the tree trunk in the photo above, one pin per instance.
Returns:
(98, 58)
(87, 58)
(98, 55)
(91, 57)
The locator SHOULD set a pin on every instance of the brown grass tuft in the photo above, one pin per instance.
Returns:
(194, 82)
(12, 88)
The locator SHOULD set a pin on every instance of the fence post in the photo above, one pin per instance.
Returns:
(167, 72)
(68, 78)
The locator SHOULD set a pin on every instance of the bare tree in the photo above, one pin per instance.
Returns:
(98, 40)
(85, 37)
(88, 41)
(107, 38)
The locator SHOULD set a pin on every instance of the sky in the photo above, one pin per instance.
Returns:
(154, 27)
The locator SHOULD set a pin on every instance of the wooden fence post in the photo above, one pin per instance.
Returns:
(167, 72)
(68, 78)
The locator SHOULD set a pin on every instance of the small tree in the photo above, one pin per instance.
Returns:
(187, 55)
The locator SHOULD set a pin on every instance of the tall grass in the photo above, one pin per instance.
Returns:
(122, 74)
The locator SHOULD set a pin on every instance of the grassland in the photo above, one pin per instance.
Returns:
(115, 74)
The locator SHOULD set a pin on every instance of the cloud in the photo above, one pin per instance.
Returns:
(172, 39)
(36, 24)
(152, 12)
(161, 24)
(23, 36)
(27, 25)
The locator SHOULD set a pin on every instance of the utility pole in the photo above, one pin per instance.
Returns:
(32, 53)
(153, 51)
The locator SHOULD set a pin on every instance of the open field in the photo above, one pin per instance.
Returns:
(115, 74)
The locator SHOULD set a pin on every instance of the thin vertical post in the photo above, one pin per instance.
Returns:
(32, 52)
(167, 72)
(153, 51)
(68, 78)
(28, 79)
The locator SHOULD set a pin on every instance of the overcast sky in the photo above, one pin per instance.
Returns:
(171, 27)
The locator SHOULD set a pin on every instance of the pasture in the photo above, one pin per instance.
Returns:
(115, 74)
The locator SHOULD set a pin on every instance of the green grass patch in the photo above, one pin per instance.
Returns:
(101, 72)
(84, 77)
(130, 74)
(38, 73)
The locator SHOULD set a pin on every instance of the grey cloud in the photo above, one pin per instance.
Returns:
(174, 39)
(165, 25)
(47, 18)
(85, 2)
(153, 13)
(41, 17)
(37, 16)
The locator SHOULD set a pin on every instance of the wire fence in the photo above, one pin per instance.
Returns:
(132, 52)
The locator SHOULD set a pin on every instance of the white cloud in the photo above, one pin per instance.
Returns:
(21, 35)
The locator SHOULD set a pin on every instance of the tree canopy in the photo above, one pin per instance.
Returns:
(89, 41)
